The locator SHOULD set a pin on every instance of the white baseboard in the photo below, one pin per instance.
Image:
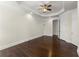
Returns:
(47, 35)
(78, 51)
(18, 42)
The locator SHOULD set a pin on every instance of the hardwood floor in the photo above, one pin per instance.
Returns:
(44, 46)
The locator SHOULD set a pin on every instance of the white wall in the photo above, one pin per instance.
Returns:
(66, 26)
(16, 27)
(69, 27)
(75, 28)
(48, 28)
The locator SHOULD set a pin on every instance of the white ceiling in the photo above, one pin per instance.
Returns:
(33, 6)
(60, 6)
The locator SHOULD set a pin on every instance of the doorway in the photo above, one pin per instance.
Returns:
(56, 27)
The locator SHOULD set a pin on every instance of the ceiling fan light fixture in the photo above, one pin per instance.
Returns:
(45, 10)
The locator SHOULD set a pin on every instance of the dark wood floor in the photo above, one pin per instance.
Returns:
(44, 46)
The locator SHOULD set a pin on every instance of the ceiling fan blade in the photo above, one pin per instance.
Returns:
(41, 5)
(49, 9)
(45, 5)
(49, 5)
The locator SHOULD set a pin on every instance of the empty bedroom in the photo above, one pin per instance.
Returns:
(39, 29)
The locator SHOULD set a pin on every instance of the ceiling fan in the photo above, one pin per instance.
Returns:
(45, 8)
